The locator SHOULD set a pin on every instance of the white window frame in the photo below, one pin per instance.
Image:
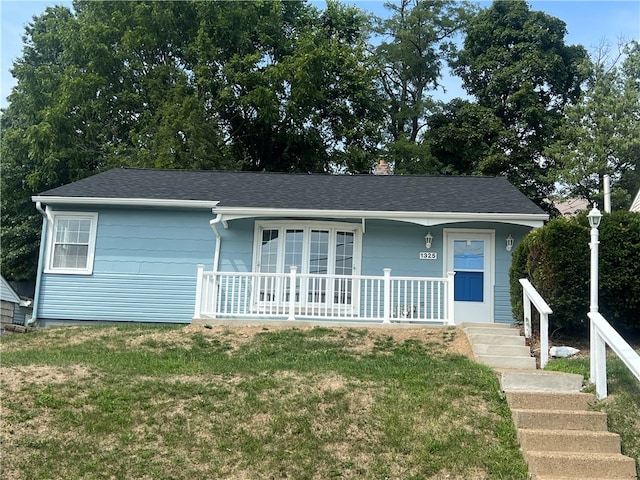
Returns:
(307, 226)
(54, 218)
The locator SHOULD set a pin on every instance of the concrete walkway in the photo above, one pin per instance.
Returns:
(560, 436)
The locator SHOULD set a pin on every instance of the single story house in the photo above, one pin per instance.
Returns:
(14, 308)
(178, 246)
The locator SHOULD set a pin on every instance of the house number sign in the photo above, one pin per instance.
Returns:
(428, 255)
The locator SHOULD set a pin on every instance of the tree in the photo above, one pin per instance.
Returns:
(602, 132)
(293, 94)
(516, 64)
(465, 139)
(421, 36)
(275, 85)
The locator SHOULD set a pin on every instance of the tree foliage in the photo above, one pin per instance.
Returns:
(516, 64)
(417, 41)
(556, 259)
(602, 133)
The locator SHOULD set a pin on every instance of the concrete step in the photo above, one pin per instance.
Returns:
(487, 339)
(569, 441)
(492, 331)
(497, 361)
(583, 466)
(540, 381)
(501, 350)
(550, 400)
(559, 420)
(479, 339)
(486, 325)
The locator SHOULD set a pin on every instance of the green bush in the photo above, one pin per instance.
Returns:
(555, 258)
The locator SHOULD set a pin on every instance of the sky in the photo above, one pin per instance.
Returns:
(589, 23)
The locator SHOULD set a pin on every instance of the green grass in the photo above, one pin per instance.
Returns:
(174, 403)
(622, 404)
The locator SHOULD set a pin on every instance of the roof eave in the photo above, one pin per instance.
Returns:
(128, 202)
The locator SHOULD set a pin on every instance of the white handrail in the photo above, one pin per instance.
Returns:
(530, 295)
(605, 335)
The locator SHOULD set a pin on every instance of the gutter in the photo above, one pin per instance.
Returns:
(43, 237)
(128, 202)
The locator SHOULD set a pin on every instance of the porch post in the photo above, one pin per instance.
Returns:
(198, 306)
(386, 307)
(292, 293)
(450, 299)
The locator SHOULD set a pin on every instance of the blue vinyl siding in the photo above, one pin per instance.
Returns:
(118, 297)
(503, 312)
(237, 246)
(144, 269)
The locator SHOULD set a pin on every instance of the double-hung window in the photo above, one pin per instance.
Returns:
(72, 241)
(325, 257)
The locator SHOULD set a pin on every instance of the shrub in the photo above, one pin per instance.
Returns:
(555, 258)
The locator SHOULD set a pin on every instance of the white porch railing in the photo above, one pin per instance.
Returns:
(302, 296)
(530, 295)
(604, 334)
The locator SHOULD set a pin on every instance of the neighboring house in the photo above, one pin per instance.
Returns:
(573, 206)
(182, 246)
(635, 205)
(14, 309)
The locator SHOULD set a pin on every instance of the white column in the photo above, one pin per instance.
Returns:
(386, 307)
(292, 293)
(450, 298)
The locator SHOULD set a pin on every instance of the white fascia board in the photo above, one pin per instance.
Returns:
(129, 202)
(533, 220)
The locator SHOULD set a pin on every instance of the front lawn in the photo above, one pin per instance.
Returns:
(198, 403)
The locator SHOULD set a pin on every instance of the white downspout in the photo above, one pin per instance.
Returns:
(43, 240)
(214, 226)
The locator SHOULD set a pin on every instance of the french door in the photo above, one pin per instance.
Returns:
(318, 253)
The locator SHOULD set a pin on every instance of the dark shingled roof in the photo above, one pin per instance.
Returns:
(406, 193)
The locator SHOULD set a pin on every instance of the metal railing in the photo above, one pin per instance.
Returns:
(293, 295)
(603, 334)
(531, 296)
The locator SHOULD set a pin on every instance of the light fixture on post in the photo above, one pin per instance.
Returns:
(509, 243)
(428, 240)
(594, 221)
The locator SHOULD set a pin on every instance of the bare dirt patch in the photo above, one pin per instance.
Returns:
(14, 378)
(453, 339)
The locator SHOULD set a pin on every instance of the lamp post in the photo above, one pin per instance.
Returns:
(594, 221)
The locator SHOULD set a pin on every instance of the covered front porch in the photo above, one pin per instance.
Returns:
(303, 296)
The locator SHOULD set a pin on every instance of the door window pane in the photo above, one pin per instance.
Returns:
(269, 252)
(293, 249)
(319, 252)
(468, 255)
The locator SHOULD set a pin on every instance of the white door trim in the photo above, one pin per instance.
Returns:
(454, 233)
